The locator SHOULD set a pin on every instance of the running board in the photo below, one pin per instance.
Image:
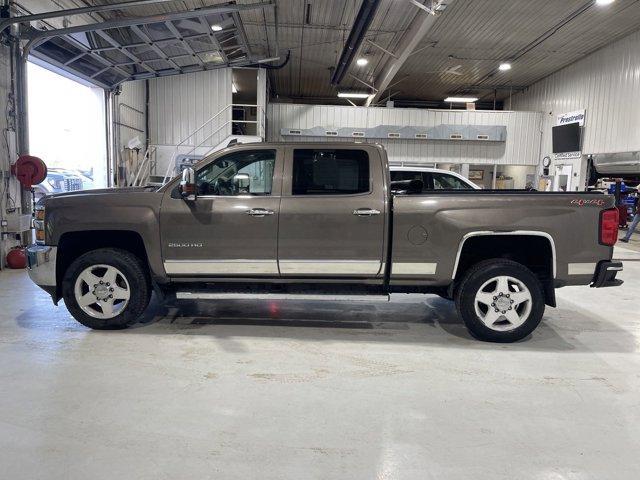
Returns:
(280, 296)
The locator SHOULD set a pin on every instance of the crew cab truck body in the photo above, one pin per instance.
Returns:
(315, 221)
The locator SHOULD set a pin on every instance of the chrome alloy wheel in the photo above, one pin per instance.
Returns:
(503, 303)
(102, 291)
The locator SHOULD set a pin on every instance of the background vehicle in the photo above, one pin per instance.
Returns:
(315, 221)
(432, 178)
(60, 180)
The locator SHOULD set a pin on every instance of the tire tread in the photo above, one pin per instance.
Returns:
(465, 295)
(138, 279)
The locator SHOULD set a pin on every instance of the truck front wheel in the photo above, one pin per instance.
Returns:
(106, 289)
(500, 301)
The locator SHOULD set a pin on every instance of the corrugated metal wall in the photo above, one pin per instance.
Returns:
(180, 104)
(607, 85)
(131, 108)
(521, 148)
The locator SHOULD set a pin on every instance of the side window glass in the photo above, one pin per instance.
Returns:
(442, 181)
(403, 175)
(330, 172)
(248, 172)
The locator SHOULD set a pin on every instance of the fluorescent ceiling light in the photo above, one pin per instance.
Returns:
(602, 3)
(461, 99)
(361, 62)
(504, 66)
(353, 95)
(234, 89)
(216, 28)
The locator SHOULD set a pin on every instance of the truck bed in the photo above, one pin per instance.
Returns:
(428, 228)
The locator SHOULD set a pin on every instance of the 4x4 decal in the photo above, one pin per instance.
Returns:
(581, 202)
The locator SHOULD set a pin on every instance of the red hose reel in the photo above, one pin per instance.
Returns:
(29, 170)
(17, 258)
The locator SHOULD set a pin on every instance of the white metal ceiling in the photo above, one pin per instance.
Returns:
(470, 37)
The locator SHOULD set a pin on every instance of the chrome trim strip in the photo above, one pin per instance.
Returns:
(535, 233)
(328, 267)
(279, 296)
(581, 268)
(41, 262)
(413, 268)
(221, 267)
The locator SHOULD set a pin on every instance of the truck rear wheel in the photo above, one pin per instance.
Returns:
(106, 289)
(500, 301)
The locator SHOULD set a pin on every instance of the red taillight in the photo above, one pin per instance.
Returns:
(609, 226)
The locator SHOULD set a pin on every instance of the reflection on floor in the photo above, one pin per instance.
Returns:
(320, 390)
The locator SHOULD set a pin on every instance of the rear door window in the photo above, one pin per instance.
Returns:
(403, 175)
(330, 172)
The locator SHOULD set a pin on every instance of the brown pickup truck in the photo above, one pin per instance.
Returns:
(320, 221)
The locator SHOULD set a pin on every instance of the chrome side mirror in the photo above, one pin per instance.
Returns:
(242, 183)
(188, 185)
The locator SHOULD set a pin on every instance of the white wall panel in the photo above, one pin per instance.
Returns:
(521, 148)
(180, 104)
(131, 108)
(606, 84)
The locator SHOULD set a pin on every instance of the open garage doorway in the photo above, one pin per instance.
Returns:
(244, 99)
(67, 130)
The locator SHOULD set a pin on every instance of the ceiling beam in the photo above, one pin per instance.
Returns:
(356, 36)
(242, 34)
(418, 28)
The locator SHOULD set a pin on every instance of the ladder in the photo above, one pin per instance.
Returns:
(225, 116)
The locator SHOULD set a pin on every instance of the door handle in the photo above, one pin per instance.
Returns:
(366, 212)
(259, 212)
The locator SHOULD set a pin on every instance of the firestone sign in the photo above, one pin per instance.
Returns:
(564, 119)
(571, 117)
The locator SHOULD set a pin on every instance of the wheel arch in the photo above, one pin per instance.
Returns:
(534, 249)
(72, 245)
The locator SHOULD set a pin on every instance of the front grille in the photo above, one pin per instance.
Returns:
(72, 184)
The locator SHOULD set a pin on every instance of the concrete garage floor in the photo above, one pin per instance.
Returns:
(296, 390)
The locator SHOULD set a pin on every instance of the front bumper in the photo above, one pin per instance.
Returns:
(605, 275)
(41, 262)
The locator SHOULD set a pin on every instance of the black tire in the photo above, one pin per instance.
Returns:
(130, 266)
(474, 279)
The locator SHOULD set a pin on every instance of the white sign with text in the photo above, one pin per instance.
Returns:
(571, 117)
(564, 119)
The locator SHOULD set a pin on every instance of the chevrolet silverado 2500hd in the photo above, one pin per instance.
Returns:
(315, 221)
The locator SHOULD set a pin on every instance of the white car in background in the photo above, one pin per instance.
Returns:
(432, 178)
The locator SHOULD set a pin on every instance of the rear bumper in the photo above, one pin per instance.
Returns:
(41, 264)
(605, 275)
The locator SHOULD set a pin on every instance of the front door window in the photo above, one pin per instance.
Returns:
(248, 172)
